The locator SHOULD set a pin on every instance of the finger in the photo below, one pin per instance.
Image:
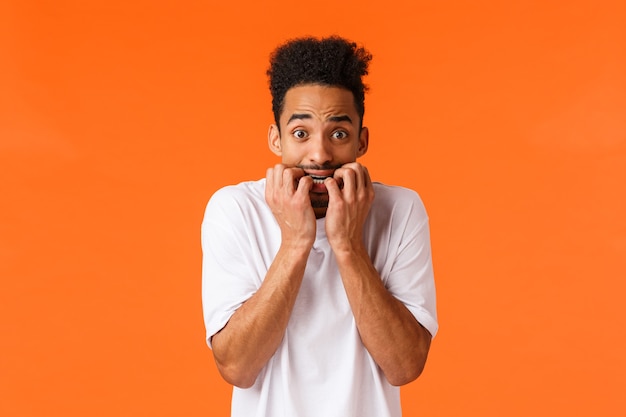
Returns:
(269, 183)
(369, 188)
(278, 175)
(305, 183)
(367, 178)
(295, 172)
(348, 178)
(298, 175)
(290, 179)
(360, 173)
(332, 186)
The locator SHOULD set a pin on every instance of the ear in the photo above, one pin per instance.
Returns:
(364, 138)
(273, 140)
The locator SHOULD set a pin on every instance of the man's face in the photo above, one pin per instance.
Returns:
(319, 132)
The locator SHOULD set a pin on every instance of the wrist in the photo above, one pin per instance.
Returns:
(296, 249)
(348, 249)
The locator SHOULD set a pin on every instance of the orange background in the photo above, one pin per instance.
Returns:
(118, 120)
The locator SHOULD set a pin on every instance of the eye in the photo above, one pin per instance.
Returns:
(300, 134)
(339, 134)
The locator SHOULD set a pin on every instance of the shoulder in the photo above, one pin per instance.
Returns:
(395, 191)
(398, 201)
(243, 190)
(231, 199)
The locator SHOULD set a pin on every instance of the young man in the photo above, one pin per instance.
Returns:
(318, 288)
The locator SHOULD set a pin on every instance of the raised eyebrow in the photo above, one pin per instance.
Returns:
(299, 116)
(306, 116)
(343, 118)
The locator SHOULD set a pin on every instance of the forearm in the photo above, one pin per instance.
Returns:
(254, 332)
(389, 331)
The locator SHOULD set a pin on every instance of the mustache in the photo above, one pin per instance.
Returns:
(323, 167)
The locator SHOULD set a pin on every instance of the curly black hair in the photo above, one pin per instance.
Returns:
(331, 61)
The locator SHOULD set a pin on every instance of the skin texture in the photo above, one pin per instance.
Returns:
(319, 135)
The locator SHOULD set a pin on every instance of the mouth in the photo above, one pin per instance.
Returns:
(318, 179)
(318, 183)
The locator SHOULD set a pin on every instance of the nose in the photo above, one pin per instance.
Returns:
(320, 150)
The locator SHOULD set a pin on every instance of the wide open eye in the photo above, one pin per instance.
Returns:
(339, 134)
(300, 134)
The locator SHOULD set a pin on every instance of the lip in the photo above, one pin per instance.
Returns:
(318, 177)
(318, 181)
(318, 186)
(320, 173)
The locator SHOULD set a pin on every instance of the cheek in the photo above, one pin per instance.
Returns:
(287, 157)
(291, 155)
(348, 154)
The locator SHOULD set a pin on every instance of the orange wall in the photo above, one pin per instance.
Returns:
(118, 120)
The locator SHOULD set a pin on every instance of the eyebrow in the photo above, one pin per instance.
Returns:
(343, 118)
(304, 116)
(299, 116)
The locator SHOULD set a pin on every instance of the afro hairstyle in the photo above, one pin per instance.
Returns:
(331, 61)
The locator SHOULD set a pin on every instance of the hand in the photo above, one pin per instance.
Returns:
(348, 207)
(287, 194)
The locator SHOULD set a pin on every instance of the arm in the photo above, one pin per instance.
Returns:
(250, 338)
(389, 331)
(243, 347)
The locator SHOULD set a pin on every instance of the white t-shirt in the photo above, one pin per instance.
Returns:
(321, 368)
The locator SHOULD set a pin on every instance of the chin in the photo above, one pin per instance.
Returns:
(320, 204)
(320, 212)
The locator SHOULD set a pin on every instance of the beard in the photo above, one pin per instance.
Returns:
(319, 200)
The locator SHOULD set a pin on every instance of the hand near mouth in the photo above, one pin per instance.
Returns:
(348, 206)
(319, 173)
(287, 193)
(319, 186)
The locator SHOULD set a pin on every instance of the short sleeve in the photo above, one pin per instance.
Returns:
(227, 277)
(411, 277)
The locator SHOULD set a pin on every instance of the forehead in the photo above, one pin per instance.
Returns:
(319, 101)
